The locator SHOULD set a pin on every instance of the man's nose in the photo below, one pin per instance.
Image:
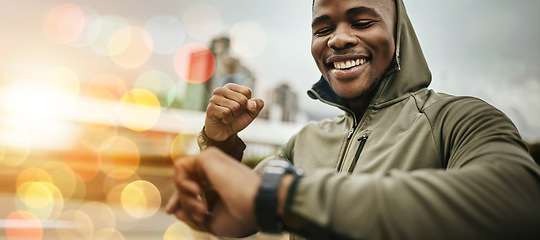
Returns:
(342, 38)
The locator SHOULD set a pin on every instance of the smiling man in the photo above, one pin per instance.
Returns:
(402, 162)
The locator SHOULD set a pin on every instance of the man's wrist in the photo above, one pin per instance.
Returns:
(233, 146)
(283, 191)
(271, 197)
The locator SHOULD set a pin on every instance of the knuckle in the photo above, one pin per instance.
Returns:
(230, 85)
(248, 91)
(218, 91)
(213, 100)
(236, 107)
(243, 101)
(224, 113)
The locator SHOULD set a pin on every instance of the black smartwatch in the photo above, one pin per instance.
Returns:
(266, 200)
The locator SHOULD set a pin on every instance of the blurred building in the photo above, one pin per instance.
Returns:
(282, 104)
(229, 69)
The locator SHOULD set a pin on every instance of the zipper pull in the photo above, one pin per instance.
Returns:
(351, 133)
(362, 141)
(363, 137)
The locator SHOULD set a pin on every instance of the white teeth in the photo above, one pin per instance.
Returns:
(349, 63)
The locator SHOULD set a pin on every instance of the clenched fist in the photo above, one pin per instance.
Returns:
(230, 110)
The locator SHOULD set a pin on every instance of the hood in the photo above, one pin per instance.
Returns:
(408, 71)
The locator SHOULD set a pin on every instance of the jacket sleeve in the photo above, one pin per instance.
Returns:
(233, 146)
(490, 188)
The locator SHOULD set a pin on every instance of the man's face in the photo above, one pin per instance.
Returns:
(353, 43)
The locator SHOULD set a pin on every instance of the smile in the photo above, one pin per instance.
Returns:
(342, 65)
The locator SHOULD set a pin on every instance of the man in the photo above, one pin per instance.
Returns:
(403, 162)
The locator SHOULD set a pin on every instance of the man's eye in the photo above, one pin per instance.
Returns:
(362, 24)
(323, 32)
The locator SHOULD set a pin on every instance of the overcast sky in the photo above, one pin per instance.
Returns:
(483, 48)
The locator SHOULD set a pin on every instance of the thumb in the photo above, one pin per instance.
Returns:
(255, 105)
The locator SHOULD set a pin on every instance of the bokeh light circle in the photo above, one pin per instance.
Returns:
(33, 174)
(101, 214)
(102, 31)
(178, 230)
(80, 190)
(194, 63)
(202, 21)
(80, 226)
(106, 87)
(35, 194)
(167, 33)
(130, 47)
(119, 157)
(90, 16)
(83, 159)
(23, 225)
(114, 199)
(160, 84)
(111, 183)
(63, 23)
(43, 199)
(63, 80)
(62, 176)
(141, 199)
(180, 145)
(139, 109)
(17, 146)
(248, 39)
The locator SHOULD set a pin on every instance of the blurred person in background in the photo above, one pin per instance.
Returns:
(402, 162)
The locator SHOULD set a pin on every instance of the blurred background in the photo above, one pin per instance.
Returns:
(97, 97)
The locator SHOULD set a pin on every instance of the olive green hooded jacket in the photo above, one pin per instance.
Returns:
(417, 165)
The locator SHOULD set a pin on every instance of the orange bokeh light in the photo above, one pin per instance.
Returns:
(119, 157)
(194, 63)
(33, 175)
(130, 47)
(23, 225)
(63, 23)
(83, 160)
(106, 86)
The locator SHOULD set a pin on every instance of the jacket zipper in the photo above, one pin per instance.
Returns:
(351, 133)
(362, 140)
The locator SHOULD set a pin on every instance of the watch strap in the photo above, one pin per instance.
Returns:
(266, 204)
(266, 201)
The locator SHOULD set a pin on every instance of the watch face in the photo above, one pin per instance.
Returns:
(281, 166)
(279, 163)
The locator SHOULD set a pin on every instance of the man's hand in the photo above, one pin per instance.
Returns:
(230, 110)
(216, 193)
